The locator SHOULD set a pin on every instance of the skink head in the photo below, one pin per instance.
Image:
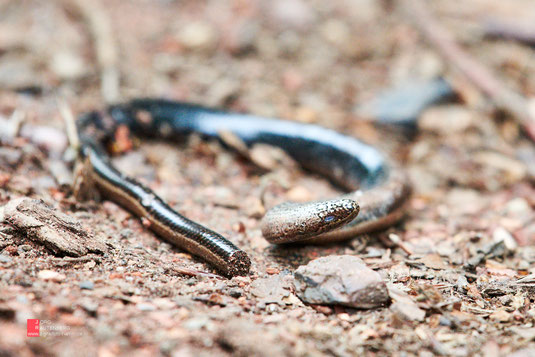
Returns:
(295, 221)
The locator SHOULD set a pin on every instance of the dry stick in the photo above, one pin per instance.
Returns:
(502, 97)
(70, 125)
(15, 122)
(510, 31)
(99, 26)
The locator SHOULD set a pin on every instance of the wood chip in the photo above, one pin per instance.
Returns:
(58, 232)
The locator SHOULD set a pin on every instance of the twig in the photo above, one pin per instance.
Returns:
(99, 26)
(193, 272)
(74, 260)
(12, 126)
(15, 121)
(70, 125)
(395, 241)
(502, 97)
(394, 238)
(510, 31)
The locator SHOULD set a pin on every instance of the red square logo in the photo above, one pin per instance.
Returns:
(32, 327)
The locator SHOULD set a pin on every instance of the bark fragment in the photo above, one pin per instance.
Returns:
(55, 230)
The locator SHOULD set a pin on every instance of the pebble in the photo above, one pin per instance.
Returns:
(90, 306)
(340, 280)
(51, 275)
(68, 65)
(447, 119)
(87, 284)
(299, 194)
(198, 36)
(517, 207)
(462, 283)
(501, 316)
(146, 307)
(291, 14)
(197, 323)
(501, 234)
(235, 293)
(5, 259)
(242, 37)
(444, 321)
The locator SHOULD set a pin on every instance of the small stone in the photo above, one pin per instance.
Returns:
(146, 307)
(500, 234)
(341, 280)
(446, 119)
(444, 321)
(51, 275)
(235, 293)
(501, 316)
(291, 14)
(523, 265)
(5, 259)
(299, 194)
(87, 284)
(272, 271)
(68, 65)
(462, 283)
(197, 323)
(90, 306)
(197, 36)
(24, 248)
(518, 206)
(242, 37)
(254, 207)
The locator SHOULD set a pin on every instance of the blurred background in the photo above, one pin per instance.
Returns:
(458, 117)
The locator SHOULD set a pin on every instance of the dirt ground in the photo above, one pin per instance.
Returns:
(470, 224)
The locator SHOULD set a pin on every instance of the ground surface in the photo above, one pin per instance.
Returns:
(311, 61)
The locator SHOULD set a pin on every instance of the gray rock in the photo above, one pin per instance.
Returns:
(87, 284)
(5, 259)
(343, 280)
